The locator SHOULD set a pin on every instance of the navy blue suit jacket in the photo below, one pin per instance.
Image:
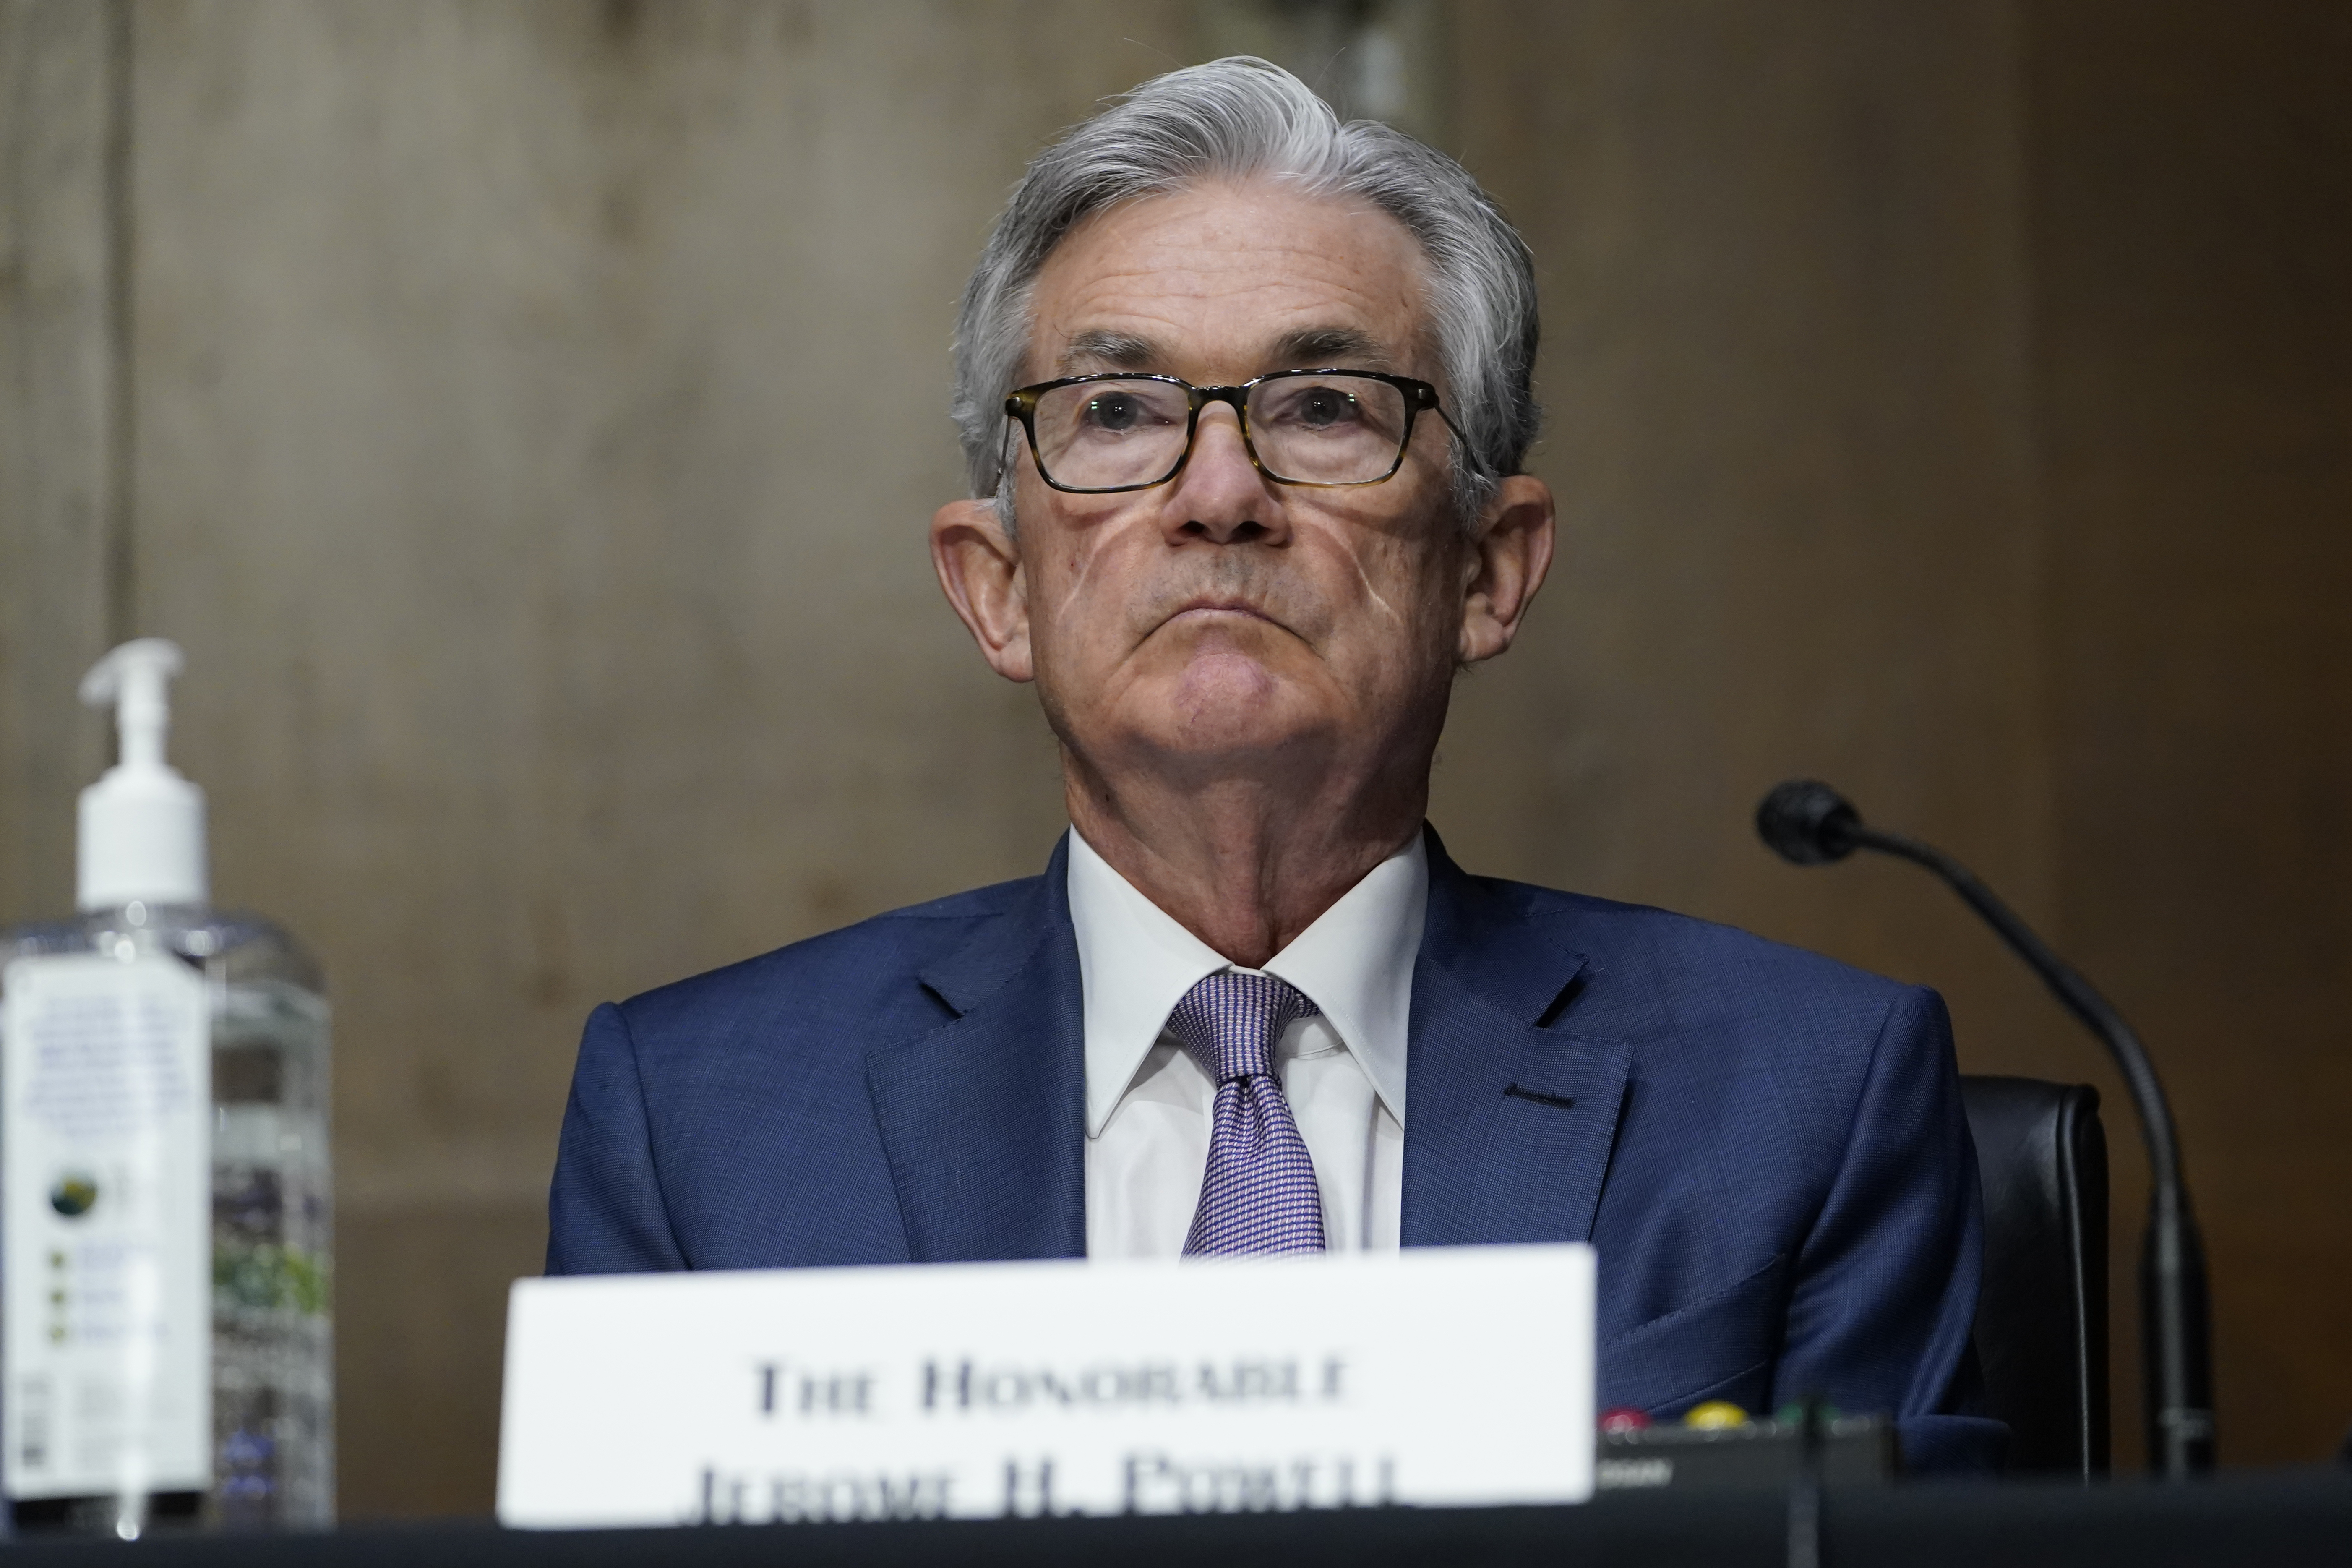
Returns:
(1767, 1148)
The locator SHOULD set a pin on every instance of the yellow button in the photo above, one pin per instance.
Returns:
(1715, 1414)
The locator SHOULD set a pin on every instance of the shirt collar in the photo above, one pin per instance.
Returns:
(1355, 964)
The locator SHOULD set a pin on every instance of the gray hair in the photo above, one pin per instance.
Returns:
(1243, 117)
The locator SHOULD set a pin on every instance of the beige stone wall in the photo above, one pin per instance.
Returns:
(526, 413)
(61, 448)
(2192, 205)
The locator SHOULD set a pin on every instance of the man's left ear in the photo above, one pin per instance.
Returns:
(1507, 566)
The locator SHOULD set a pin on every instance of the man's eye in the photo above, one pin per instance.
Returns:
(1322, 407)
(1115, 411)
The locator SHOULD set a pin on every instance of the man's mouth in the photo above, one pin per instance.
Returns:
(1214, 607)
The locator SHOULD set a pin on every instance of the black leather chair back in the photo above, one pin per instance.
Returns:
(2042, 1322)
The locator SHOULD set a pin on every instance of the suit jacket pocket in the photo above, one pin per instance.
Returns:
(1718, 1347)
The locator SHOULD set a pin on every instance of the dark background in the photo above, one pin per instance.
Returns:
(526, 413)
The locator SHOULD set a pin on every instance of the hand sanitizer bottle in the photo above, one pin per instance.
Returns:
(166, 1221)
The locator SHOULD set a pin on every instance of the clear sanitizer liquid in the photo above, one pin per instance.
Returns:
(271, 1265)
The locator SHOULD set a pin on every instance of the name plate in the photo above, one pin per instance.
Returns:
(1430, 1376)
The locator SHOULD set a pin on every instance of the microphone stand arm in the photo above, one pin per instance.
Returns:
(2176, 1331)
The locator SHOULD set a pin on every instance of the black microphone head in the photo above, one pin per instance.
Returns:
(1807, 822)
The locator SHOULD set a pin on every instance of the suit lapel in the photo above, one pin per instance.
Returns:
(983, 1118)
(1511, 1110)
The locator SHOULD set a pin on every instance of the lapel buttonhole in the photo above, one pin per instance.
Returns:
(1557, 1101)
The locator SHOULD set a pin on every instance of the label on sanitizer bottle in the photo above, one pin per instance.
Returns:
(105, 1226)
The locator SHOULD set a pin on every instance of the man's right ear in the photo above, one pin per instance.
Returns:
(979, 563)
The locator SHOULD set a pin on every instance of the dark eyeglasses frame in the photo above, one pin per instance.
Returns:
(1420, 396)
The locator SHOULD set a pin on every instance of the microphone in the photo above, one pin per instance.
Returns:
(1807, 823)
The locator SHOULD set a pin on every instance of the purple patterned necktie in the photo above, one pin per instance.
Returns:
(1259, 1194)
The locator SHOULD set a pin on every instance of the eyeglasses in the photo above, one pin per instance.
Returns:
(1092, 435)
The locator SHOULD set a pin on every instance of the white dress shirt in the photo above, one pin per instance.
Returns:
(1148, 1103)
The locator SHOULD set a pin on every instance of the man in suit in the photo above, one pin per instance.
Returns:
(1244, 394)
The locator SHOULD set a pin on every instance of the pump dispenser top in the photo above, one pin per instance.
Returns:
(142, 824)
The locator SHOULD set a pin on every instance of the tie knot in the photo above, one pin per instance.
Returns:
(1229, 1023)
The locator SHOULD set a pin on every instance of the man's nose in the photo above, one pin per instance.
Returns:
(1220, 497)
